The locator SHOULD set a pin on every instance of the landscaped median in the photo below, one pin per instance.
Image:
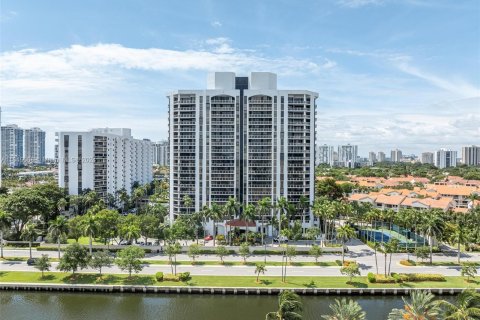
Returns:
(411, 263)
(224, 281)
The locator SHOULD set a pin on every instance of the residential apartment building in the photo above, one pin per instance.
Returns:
(445, 158)
(381, 157)
(325, 155)
(161, 152)
(34, 146)
(105, 160)
(396, 155)
(427, 157)
(241, 138)
(347, 155)
(12, 146)
(471, 155)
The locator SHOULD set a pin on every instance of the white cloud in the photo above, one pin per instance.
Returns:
(216, 24)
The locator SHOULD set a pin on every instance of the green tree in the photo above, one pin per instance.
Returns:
(420, 306)
(58, 229)
(469, 271)
(290, 252)
(29, 233)
(194, 251)
(465, 307)
(351, 271)
(90, 228)
(172, 250)
(216, 214)
(101, 259)
(264, 206)
(244, 251)
(289, 307)
(329, 188)
(221, 252)
(313, 233)
(75, 257)
(130, 259)
(345, 233)
(148, 226)
(315, 251)
(107, 224)
(260, 268)
(248, 215)
(75, 227)
(43, 264)
(345, 310)
(187, 202)
(5, 225)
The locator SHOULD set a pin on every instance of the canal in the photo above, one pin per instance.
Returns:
(22, 305)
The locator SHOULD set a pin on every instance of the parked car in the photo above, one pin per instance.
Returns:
(208, 238)
(280, 239)
(31, 261)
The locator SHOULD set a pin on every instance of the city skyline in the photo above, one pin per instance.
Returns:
(393, 83)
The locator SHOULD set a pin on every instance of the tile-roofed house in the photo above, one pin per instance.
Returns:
(389, 202)
(360, 197)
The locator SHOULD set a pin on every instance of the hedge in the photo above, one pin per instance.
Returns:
(94, 249)
(159, 276)
(213, 251)
(275, 252)
(22, 244)
(418, 277)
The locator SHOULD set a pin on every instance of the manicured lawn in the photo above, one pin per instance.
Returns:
(239, 263)
(18, 259)
(224, 281)
(85, 241)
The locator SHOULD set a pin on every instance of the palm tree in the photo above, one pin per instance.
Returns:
(62, 204)
(260, 268)
(216, 214)
(264, 205)
(283, 209)
(345, 233)
(138, 194)
(466, 306)
(345, 310)
(432, 226)
(131, 233)
(5, 224)
(231, 209)
(420, 307)
(29, 232)
(57, 229)
(187, 202)
(303, 205)
(90, 227)
(376, 246)
(248, 215)
(289, 306)
(90, 199)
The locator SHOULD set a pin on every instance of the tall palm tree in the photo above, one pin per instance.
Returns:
(216, 214)
(57, 229)
(421, 306)
(248, 215)
(345, 233)
(231, 209)
(289, 306)
(264, 206)
(90, 227)
(345, 310)
(283, 209)
(205, 214)
(5, 224)
(465, 307)
(187, 202)
(62, 204)
(29, 233)
(432, 227)
(131, 233)
(303, 205)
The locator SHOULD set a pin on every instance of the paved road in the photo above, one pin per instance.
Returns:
(357, 250)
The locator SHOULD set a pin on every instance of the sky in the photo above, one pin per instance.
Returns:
(390, 73)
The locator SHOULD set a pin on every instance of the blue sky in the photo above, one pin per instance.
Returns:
(390, 73)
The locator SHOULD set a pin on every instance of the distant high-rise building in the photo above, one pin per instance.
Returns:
(372, 158)
(381, 156)
(471, 155)
(396, 155)
(34, 146)
(445, 158)
(161, 153)
(12, 146)
(427, 158)
(241, 138)
(105, 160)
(325, 155)
(347, 155)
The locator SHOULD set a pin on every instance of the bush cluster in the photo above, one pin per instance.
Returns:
(159, 276)
(183, 276)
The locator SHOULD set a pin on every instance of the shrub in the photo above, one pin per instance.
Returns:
(171, 277)
(379, 278)
(371, 277)
(211, 251)
(418, 277)
(159, 276)
(184, 276)
(407, 263)
(220, 238)
(397, 277)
